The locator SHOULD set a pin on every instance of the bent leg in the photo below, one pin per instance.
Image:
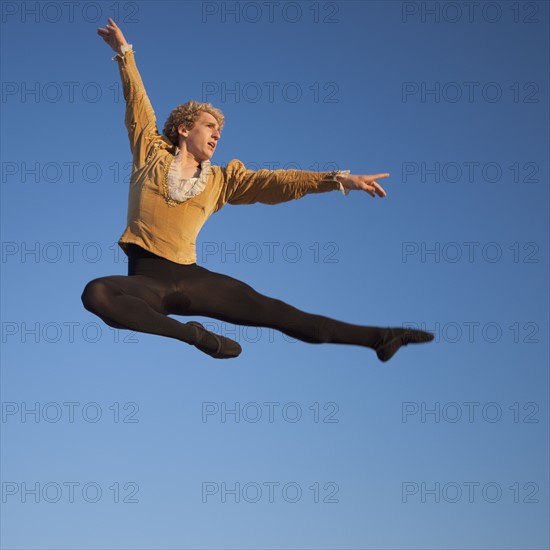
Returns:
(142, 303)
(134, 303)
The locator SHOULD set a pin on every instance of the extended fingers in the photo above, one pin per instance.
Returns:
(373, 188)
(112, 26)
(369, 188)
(379, 189)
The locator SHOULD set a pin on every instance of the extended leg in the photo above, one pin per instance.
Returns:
(228, 299)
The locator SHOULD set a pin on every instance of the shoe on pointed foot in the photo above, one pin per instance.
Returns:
(225, 348)
(394, 338)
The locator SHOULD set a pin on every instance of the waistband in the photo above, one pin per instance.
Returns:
(143, 262)
(135, 251)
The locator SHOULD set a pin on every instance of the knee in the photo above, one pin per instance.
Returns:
(95, 295)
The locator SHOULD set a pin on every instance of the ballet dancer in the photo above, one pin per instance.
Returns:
(174, 188)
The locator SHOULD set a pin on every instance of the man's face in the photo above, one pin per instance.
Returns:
(202, 139)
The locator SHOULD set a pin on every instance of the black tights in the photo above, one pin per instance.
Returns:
(156, 287)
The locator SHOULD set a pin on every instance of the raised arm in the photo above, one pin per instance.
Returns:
(140, 117)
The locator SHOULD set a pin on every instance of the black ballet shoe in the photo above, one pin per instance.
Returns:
(225, 347)
(396, 337)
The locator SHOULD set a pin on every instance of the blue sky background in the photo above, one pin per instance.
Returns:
(461, 253)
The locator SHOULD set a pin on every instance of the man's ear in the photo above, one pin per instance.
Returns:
(182, 131)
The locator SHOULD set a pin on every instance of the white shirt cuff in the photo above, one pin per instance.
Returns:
(344, 191)
(124, 48)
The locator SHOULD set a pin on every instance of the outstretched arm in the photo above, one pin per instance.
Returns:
(140, 117)
(276, 186)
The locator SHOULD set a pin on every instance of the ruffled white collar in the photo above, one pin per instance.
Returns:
(183, 189)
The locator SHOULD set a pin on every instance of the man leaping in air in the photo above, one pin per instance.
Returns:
(173, 190)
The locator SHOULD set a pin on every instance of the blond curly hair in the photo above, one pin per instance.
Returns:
(187, 114)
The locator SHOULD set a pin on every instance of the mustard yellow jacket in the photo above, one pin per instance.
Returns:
(169, 228)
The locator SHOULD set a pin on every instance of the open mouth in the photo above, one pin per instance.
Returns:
(212, 145)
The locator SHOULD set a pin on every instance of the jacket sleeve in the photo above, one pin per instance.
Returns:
(140, 118)
(274, 186)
